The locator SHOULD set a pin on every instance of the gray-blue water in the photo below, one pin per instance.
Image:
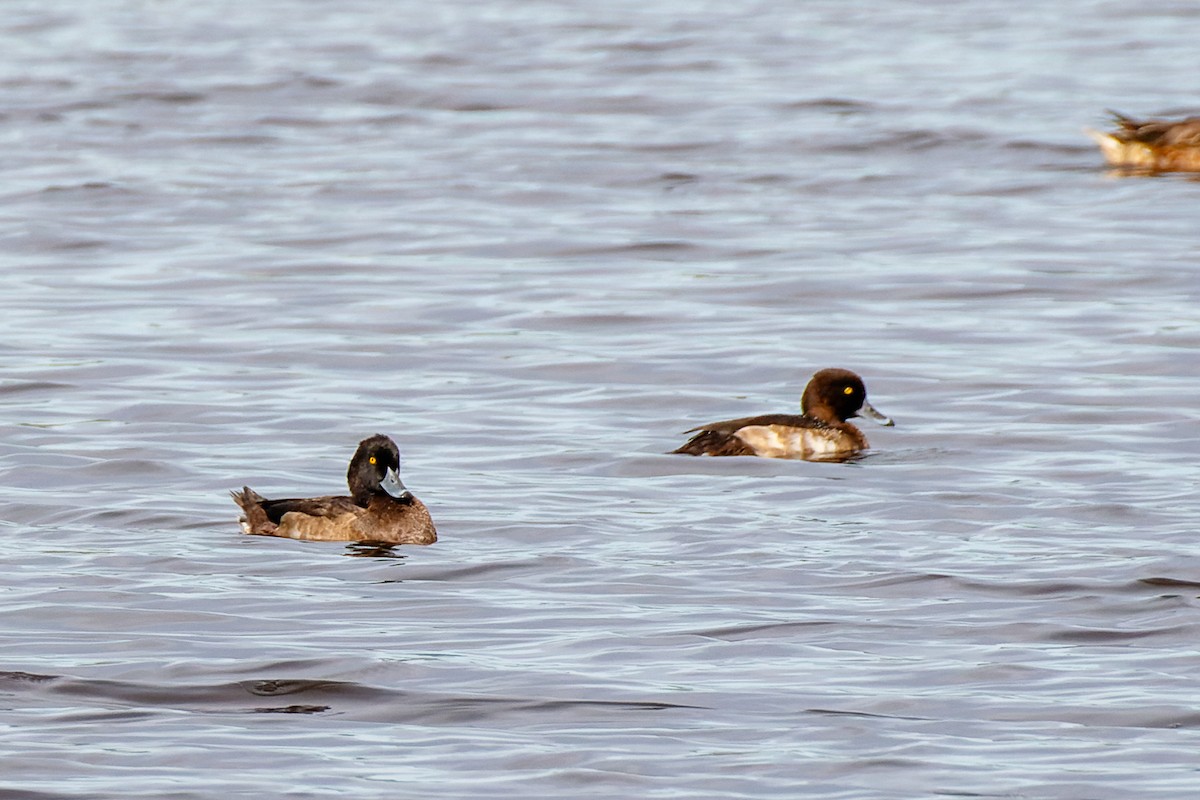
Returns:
(534, 242)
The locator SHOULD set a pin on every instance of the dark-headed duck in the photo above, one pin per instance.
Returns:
(379, 508)
(819, 433)
(1152, 145)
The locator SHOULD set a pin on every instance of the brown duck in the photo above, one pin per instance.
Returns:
(819, 433)
(379, 508)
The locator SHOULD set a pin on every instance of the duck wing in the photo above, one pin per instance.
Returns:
(332, 506)
(720, 438)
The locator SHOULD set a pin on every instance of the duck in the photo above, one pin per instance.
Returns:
(378, 509)
(819, 432)
(1152, 145)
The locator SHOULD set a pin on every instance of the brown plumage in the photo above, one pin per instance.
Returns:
(714, 443)
(1151, 145)
(379, 508)
(819, 433)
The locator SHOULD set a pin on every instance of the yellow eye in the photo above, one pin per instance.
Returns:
(848, 390)
(372, 459)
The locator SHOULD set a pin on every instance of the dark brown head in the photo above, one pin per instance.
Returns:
(375, 470)
(835, 395)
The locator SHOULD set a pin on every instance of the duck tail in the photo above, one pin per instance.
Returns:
(246, 498)
(1115, 147)
(254, 519)
(1124, 120)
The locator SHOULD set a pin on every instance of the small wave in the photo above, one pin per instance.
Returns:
(356, 700)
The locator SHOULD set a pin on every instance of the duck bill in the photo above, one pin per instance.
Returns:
(868, 410)
(392, 485)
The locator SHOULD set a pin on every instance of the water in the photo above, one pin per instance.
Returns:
(534, 242)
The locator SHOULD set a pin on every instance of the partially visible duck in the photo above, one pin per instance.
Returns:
(819, 433)
(379, 508)
(1152, 145)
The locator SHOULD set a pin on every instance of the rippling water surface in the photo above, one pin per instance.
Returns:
(534, 242)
